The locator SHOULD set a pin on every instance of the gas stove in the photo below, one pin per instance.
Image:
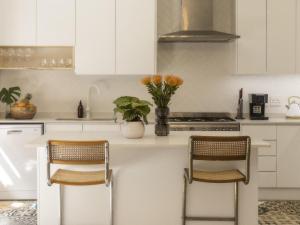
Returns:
(198, 121)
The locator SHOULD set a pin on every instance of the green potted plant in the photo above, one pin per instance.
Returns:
(162, 89)
(9, 96)
(134, 112)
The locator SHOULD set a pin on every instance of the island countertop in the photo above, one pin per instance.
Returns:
(175, 138)
(148, 174)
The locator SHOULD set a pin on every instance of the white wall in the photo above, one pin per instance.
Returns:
(206, 68)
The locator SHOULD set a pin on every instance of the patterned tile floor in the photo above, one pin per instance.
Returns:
(270, 213)
(279, 213)
(18, 213)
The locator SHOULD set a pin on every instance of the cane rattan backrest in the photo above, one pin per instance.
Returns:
(220, 148)
(77, 152)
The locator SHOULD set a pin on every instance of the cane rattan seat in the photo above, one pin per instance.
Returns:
(70, 177)
(217, 148)
(226, 176)
(79, 153)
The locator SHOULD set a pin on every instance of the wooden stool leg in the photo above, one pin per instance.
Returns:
(61, 204)
(184, 200)
(236, 203)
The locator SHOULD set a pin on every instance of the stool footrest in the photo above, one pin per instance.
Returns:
(204, 218)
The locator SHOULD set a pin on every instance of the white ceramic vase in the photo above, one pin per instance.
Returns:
(133, 130)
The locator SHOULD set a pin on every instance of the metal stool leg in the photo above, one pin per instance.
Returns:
(61, 204)
(236, 203)
(184, 200)
(111, 199)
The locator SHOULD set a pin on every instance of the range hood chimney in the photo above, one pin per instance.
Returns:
(205, 21)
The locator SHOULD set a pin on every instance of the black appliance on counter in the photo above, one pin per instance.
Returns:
(201, 121)
(257, 106)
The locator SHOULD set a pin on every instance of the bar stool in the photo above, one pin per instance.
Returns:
(217, 149)
(79, 153)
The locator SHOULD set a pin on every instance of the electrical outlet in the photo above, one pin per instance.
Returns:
(274, 102)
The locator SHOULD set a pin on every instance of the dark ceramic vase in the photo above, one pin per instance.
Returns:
(161, 125)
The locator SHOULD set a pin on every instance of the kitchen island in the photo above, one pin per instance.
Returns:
(148, 178)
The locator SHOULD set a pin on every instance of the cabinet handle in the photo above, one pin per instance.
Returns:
(14, 132)
(268, 139)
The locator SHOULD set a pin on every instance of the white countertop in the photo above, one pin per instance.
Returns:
(62, 118)
(175, 139)
(271, 121)
(107, 118)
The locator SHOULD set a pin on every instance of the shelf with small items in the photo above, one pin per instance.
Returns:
(36, 58)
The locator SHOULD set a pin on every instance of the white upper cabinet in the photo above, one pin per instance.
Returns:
(115, 37)
(270, 36)
(281, 38)
(298, 38)
(135, 36)
(17, 22)
(252, 27)
(56, 22)
(95, 37)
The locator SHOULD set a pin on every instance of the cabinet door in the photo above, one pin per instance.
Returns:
(98, 127)
(281, 38)
(95, 37)
(136, 36)
(251, 26)
(260, 132)
(56, 22)
(288, 155)
(17, 22)
(298, 38)
(54, 127)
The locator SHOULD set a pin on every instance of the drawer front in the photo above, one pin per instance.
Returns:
(260, 132)
(266, 179)
(53, 127)
(267, 164)
(268, 151)
(101, 127)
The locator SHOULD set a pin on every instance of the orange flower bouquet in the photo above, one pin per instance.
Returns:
(162, 88)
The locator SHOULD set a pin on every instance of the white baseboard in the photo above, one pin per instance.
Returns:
(279, 193)
(18, 195)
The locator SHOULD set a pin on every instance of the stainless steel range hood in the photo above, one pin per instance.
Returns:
(205, 21)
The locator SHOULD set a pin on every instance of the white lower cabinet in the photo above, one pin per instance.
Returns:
(100, 127)
(267, 164)
(82, 127)
(267, 179)
(54, 127)
(278, 166)
(267, 157)
(288, 156)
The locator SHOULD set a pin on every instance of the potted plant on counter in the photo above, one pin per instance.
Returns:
(9, 96)
(134, 112)
(162, 88)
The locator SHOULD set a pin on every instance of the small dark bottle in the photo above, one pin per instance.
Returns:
(80, 110)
